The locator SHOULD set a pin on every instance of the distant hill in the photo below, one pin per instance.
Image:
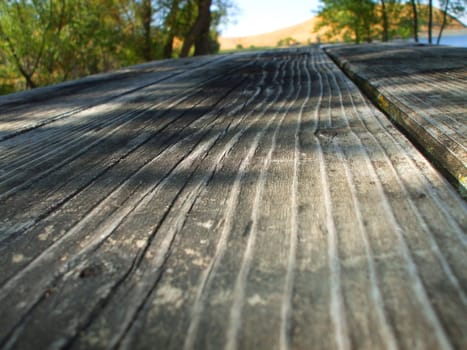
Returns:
(301, 33)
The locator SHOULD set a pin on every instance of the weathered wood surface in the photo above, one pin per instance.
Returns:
(424, 89)
(250, 201)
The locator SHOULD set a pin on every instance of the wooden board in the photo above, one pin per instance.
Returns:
(248, 201)
(424, 90)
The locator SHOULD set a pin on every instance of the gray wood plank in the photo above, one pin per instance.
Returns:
(258, 202)
(38, 107)
(423, 89)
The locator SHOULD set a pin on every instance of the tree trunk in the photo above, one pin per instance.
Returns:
(443, 24)
(198, 29)
(168, 46)
(27, 76)
(147, 18)
(415, 20)
(357, 36)
(170, 23)
(430, 21)
(385, 21)
(202, 42)
(30, 84)
(368, 33)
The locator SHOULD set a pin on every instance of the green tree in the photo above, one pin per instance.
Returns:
(364, 20)
(202, 31)
(172, 26)
(25, 29)
(289, 41)
(430, 21)
(413, 3)
(353, 19)
(450, 7)
(146, 11)
(385, 21)
(47, 41)
(198, 34)
(394, 19)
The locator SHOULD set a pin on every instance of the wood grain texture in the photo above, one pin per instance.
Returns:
(246, 201)
(424, 90)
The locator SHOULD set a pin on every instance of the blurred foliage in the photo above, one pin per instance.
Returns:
(349, 20)
(289, 41)
(368, 20)
(48, 41)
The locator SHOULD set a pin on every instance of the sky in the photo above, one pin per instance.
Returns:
(262, 16)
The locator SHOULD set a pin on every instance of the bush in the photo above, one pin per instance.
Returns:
(289, 41)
